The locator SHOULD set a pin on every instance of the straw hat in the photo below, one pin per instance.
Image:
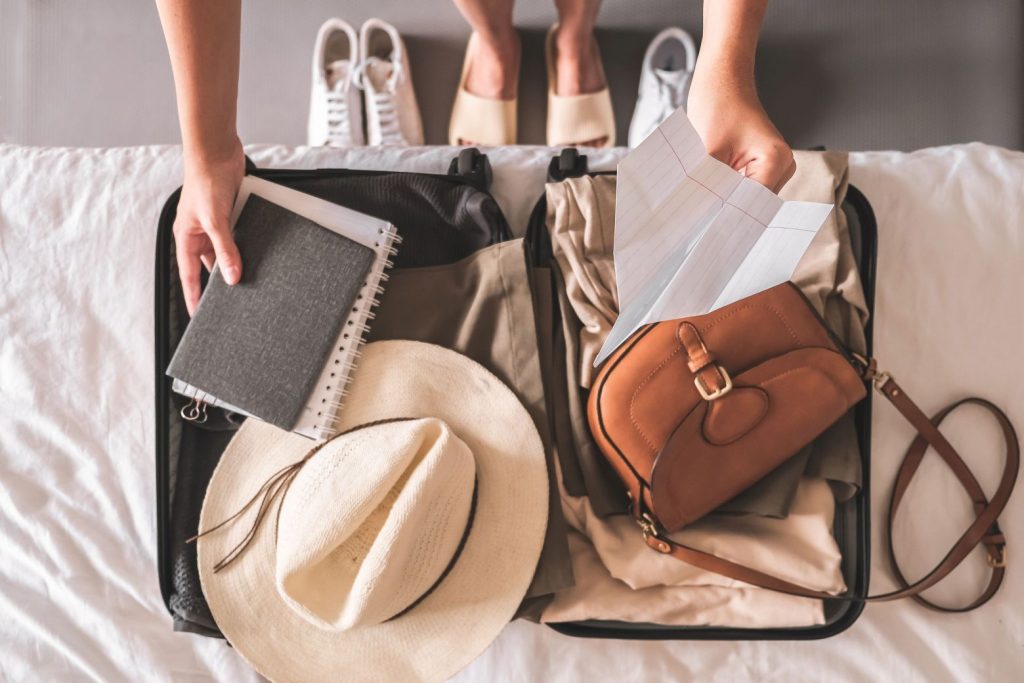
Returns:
(397, 550)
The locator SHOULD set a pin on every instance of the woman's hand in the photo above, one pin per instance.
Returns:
(202, 40)
(723, 103)
(202, 233)
(736, 130)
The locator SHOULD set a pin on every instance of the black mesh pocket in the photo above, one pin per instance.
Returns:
(200, 452)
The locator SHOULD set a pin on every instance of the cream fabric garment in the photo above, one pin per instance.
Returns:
(581, 222)
(619, 577)
(829, 277)
(799, 548)
(598, 595)
(827, 274)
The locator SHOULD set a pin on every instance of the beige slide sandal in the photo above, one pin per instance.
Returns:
(480, 120)
(573, 119)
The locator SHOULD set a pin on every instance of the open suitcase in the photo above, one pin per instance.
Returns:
(457, 209)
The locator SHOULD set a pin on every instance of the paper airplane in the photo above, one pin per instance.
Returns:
(692, 234)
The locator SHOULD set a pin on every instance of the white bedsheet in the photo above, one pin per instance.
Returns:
(79, 598)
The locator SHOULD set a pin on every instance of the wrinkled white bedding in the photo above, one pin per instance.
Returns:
(79, 598)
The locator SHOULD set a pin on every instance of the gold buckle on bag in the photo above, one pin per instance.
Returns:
(719, 392)
(997, 561)
(880, 379)
(649, 530)
(870, 372)
(647, 526)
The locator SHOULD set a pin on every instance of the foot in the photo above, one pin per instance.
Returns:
(494, 69)
(578, 69)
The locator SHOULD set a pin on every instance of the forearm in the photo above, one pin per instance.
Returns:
(729, 41)
(203, 42)
(723, 103)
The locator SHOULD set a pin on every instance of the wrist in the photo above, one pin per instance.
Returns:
(213, 157)
(725, 67)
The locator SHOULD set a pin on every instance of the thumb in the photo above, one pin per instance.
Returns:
(228, 258)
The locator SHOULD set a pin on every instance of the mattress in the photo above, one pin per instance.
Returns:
(79, 597)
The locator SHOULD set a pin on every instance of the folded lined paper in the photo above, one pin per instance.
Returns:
(692, 234)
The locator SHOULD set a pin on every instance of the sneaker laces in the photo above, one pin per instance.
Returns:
(384, 101)
(339, 123)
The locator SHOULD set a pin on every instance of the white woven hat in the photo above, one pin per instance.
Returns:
(397, 550)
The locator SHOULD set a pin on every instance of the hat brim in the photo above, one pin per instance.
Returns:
(468, 609)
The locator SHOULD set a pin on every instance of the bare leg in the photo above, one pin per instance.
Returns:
(578, 62)
(494, 66)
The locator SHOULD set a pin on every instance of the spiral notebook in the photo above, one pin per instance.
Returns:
(282, 343)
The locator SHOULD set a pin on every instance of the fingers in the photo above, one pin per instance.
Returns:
(188, 270)
(774, 169)
(787, 174)
(196, 247)
(202, 232)
(228, 258)
(208, 260)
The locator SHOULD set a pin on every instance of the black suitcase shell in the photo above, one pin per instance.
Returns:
(470, 168)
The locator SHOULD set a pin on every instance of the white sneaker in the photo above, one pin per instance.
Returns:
(335, 106)
(664, 81)
(392, 115)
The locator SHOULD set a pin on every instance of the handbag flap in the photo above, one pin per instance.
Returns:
(646, 390)
(724, 446)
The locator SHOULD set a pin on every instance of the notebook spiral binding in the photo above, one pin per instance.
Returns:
(345, 356)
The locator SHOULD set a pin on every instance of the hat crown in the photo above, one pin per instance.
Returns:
(372, 520)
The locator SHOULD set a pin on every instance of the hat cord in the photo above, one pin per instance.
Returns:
(274, 487)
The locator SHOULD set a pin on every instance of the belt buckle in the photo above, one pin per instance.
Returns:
(998, 560)
(647, 526)
(880, 379)
(870, 372)
(720, 391)
(649, 530)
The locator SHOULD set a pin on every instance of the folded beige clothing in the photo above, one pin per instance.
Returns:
(581, 222)
(799, 548)
(828, 274)
(618, 577)
(598, 595)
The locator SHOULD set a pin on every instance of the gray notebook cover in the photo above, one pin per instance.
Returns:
(261, 344)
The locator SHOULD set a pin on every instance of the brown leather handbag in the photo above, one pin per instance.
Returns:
(691, 412)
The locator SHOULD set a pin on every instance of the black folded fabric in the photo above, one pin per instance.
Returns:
(440, 221)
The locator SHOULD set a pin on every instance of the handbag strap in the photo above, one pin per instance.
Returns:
(983, 530)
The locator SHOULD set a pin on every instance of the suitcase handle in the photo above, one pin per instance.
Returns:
(474, 167)
(568, 164)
